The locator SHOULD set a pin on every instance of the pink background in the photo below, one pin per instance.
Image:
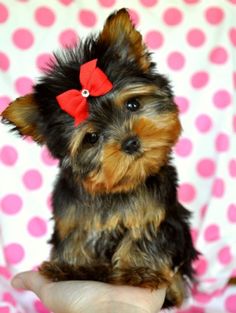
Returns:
(194, 44)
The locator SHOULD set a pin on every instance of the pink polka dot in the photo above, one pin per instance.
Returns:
(134, 16)
(199, 79)
(148, 3)
(206, 168)
(23, 85)
(29, 139)
(172, 16)
(233, 274)
(68, 38)
(47, 158)
(4, 272)
(8, 297)
(232, 213)
(176, 61)
(14, 253)
(11, 204)
(212, 233)
(32, 179)
(196, 37)
(222, 99)
(66, 2)
(232, 168)
(217, 292)
(37, 227)
(203, 123)
(194, 234)
(87, 18)
(230, 304)
(5, 309)
(44, 61)
(232, 36)
(203, 211)
(44, 16)
(3, 13)
(222, 142)
(232, 1)
(234, 80)
(182, 103)
(23, 38)
(8, 155)
(224, 255)
(186, 192)
(234, 123)
(107, 3)
(202, 298)
(4, 101)
(214, 15)
(39, 307)
(218, 55)
(4, 62)
(183, 147)
(154, 39)
(201, 266)
(218, 188)
(191, 1)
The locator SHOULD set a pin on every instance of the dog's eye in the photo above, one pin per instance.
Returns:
(91, 138)
(132, 105)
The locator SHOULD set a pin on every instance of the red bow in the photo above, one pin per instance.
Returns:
(94, 83)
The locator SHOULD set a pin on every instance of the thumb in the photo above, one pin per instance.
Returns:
(59, 297)
(43, 288)
(30, 281)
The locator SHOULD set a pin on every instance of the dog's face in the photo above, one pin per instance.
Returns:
(129, 132)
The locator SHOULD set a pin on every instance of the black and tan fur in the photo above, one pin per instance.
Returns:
(117, 217)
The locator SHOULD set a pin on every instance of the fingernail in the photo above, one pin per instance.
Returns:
(18, 283)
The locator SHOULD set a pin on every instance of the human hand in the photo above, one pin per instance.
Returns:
(90, 296)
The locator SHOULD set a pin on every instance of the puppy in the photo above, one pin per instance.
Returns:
(105, 112)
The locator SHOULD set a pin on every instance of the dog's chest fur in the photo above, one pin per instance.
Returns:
(91, 227)
(100, 219)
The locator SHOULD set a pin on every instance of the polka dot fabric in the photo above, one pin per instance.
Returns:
(193, 43)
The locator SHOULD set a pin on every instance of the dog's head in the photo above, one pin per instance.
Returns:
(125, 133)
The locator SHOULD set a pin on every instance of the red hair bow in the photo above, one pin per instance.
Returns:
(94, 83)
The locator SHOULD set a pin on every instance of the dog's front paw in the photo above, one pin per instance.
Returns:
(140, 277)
(54, 271)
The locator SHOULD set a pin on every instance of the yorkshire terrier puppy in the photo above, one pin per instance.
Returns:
(109, 117)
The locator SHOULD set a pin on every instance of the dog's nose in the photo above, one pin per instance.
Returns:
(131, 145)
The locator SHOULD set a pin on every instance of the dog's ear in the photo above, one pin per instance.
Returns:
(120, 33)
(23, 113)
